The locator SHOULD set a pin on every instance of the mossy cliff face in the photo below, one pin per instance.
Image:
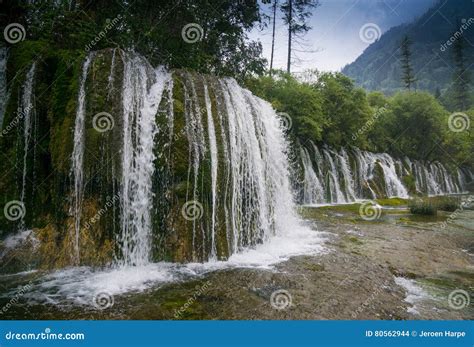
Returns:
(192, 207)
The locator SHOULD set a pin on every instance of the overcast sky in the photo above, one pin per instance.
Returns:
(335, 34)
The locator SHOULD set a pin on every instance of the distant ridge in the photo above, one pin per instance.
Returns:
(378, 67)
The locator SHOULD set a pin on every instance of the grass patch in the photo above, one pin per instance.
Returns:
(423, 207)
(392, 202)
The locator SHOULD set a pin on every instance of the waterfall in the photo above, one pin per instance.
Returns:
(364, 173)
(4, 95)
(462, 180)
(140, 107)
(312, 189)
(214, 165)
(78, 157)
(347, 175)
(249, 191)
(374, 175)
(197, 149)
(27, 111)
(333, 188)
(237, 165)
(279, 217)
(393, 185)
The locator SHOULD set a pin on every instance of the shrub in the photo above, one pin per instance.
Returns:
(423, 207)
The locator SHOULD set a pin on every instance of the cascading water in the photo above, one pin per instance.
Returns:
(197, 149)
(364, 173)
(333, 188)
(393, 185)
(343, 160)
(140, 106)
(27, 112)
(237, 167)
(78, 158)
(313, 191)
(373, 175)
(214, 165)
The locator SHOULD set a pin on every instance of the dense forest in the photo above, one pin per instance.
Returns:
(328, 109)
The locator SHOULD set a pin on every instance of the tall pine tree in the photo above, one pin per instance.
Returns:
(295, 15)
(274, 9)
(461, 76)
(408, 77)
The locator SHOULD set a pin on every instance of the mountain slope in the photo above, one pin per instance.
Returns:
(378, 67)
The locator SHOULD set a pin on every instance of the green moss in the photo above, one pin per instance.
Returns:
(354, 240)
(409, 183)
(392, 202)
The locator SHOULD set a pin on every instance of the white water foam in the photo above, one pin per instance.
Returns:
(414, 293)
(78, 285)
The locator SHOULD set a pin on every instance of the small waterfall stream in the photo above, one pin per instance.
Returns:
(27, 111)
(214, 165)
(78, 158)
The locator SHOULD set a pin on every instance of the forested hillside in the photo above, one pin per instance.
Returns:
(379, 67)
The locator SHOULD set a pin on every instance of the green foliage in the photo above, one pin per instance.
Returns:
(377, 99)
(459, 146)
(328, 108)
(345, 107)
(431, 205)
(301, 101)
(423, 207)
(154, 29)
(415, 123)
(409, 183)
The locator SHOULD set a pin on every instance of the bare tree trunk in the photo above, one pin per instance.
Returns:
(290, 22)
(273, 34)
